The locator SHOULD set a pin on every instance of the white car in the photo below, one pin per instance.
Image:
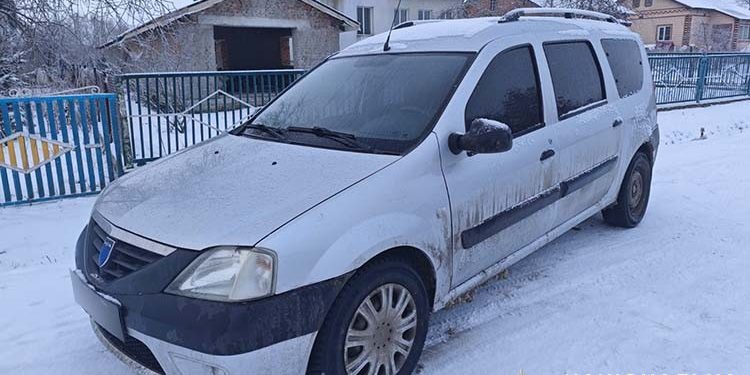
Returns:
(388, 181)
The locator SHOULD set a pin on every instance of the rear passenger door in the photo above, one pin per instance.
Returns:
(587, 128)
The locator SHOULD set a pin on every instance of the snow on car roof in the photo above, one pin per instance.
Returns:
(471, 34)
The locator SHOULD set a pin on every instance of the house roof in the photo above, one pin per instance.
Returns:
(729, 7)
(201, 5)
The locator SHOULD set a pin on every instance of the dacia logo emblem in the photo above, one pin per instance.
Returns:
(105, 252)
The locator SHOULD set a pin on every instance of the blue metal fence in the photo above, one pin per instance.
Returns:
(58, 146)
(681, 78)
(63, 146)
(170, 111)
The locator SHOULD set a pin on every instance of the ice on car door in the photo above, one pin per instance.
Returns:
(496, 197)
(587, 133)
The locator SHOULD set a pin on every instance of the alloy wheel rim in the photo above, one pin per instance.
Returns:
(381, 333)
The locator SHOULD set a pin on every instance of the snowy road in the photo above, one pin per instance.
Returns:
(672, 296)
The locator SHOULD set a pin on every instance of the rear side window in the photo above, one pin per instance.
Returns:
(509, 92)
(624, 57)
(576, 76)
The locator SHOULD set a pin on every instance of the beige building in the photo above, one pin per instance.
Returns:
(209, 35)
(697, 25)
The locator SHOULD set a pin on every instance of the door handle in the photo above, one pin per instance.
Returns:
(618, 122)
(547, 154)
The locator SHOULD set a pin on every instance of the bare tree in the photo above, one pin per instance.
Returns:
(8, 14)
(32, 13)
(616, 8)
(53, 43)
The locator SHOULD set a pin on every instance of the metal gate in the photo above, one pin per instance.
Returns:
(58, 146)
(680, 78)
(166, 112)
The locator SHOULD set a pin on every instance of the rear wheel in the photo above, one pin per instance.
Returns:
(378, 324)
(634, 194)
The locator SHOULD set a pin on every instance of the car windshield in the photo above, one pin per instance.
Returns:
(375, 103)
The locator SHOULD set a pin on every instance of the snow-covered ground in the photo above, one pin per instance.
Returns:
(669, 297)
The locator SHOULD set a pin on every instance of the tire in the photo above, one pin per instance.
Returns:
(345, 318)
(634, 194)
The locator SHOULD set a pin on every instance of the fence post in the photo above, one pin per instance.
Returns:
(702, 68)
(122, 103)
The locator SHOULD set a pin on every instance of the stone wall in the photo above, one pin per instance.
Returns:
(188, 44)
(183, 46)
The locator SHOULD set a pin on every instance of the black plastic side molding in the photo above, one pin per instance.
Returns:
(496, 224)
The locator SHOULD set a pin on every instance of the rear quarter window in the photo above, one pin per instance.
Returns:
(626, 62)
(576, 76)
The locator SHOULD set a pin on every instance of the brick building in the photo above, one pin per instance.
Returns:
(703, 25)
(210, 35)
(481, 8)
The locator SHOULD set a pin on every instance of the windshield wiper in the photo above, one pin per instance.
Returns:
(274, 132)
(346, 139)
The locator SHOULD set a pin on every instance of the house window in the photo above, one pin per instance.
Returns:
(364, 17)
(648, 3)
(400, 16)
(744, 32)
(664, 33)
(424, 14)
(446, 15)
(493, 5)
(636, 3)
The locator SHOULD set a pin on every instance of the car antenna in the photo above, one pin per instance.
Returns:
(387, 46)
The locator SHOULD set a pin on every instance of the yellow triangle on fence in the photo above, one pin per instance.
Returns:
(26, 153)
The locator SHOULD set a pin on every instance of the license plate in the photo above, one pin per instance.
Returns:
(103, 309)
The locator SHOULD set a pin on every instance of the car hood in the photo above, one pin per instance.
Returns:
(230, 190)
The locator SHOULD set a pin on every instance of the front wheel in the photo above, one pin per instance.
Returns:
(632, 199)
(377, 325)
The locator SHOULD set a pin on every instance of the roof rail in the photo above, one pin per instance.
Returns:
(515, 14)
(406, 24)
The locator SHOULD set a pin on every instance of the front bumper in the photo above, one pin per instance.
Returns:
(140, 352)
(179, 335)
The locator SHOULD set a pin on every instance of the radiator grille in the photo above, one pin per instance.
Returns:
(124, 260)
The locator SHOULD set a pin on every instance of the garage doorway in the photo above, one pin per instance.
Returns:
(251, 48)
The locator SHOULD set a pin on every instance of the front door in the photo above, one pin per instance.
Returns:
(497, 199)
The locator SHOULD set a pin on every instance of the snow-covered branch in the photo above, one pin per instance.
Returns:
(617, 8)
(53, 43)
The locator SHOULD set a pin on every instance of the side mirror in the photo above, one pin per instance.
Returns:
(484, 137)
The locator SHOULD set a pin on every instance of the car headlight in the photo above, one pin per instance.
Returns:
(227, 274)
